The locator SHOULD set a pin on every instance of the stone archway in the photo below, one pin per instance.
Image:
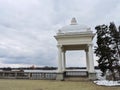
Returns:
(75, 37)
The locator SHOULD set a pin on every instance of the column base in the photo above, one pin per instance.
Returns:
(92, 76)
(60, 76)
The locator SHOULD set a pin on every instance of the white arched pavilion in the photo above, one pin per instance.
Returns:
(75, 37)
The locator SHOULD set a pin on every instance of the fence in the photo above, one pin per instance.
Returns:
(76, 74)
(28, 75)
(39, 75)
(43, 75)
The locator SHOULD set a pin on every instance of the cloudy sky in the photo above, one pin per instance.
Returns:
(27, 28)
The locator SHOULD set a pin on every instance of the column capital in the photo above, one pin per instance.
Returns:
(87, 47)
(90, 45)
(64, 51)
(86, 50)
(61, 47)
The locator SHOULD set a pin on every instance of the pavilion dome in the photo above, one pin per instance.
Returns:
(74, 28)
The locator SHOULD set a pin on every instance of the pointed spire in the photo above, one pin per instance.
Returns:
(73, 21)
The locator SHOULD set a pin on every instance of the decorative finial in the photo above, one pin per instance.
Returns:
(73, 21)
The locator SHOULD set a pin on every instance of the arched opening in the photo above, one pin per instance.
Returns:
(75, 59)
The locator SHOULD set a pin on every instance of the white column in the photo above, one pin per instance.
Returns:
(64, 60)
(59, 58)
(87, 60)
(91, 60)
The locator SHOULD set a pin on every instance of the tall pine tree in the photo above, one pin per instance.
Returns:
(115, 45)
(107, 48)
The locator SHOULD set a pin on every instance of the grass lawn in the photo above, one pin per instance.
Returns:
(8, 84)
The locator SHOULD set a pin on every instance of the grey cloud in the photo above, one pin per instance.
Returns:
(27, 27)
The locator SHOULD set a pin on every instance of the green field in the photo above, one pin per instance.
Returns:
(9, 84)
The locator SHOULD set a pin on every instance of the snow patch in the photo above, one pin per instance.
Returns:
(102, 81)
(107, 83)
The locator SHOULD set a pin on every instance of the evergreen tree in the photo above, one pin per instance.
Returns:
(107, 49)
(102, 50)
(115, 39)
(115, 45)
